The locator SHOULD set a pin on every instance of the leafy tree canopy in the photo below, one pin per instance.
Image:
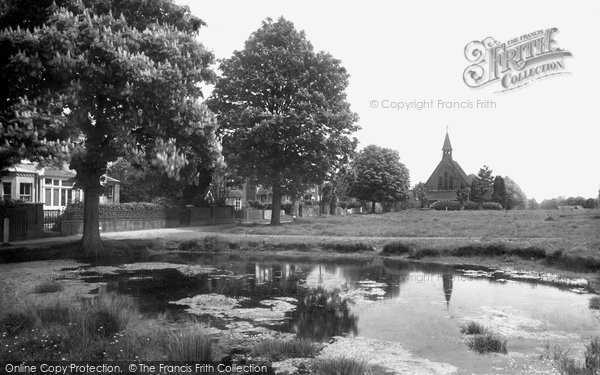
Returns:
(379, 176)
(100, 80)
(282, 111)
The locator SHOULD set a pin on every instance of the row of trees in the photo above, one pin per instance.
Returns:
(95, 82)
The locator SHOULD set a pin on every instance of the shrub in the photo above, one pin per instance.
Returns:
(471, 205)
(193, 345)
(48, 286)
(492, 206)
(487, 342)
(340, 366)
(595, 303)
(279, 349)
(395, 248)
(288, 208)
(422, 253)
(347, 247)
(446, 205)
(472, 328)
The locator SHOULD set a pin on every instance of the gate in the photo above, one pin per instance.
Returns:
(52, 220)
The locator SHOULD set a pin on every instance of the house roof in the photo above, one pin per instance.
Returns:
(112, 180)
(60, 173)
(23, 168)
(236, 193)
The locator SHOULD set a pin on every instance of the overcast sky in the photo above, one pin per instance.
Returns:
(545, 136)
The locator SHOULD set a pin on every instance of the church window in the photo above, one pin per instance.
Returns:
(440, 183)
(445, 180)
(451, 182)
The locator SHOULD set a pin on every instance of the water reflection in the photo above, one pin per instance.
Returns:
(447, 285)
(321, 314)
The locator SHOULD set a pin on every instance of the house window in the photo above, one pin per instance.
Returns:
(56, 201)
(48, 199)
(109, 191)
(25, 192)
(7, 188)
(238, 203)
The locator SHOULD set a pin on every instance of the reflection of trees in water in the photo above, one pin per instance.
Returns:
(321, 314)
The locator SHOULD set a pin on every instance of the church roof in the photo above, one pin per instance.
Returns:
(447, 145)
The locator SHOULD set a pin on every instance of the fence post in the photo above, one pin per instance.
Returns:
(5, 234)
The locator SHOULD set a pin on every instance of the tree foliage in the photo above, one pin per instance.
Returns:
(481, 185)
(515, 197)
(379, 176)
(499, 191)
(101, 80)
(282, 110)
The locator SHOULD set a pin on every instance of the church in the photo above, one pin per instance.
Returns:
(447, 177)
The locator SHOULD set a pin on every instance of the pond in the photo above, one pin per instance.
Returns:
(416, 308)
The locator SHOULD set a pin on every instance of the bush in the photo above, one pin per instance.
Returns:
(347, 247)
(279, 349)
(472, 328)
(49, 286)
(443, 205)
(395, 248)
(422, 253)
(492, 206)
(487, 342)
(471, 206)
(193, 345)
(288, 208)
(341, 366)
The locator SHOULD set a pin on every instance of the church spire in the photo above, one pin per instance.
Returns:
(447, 148)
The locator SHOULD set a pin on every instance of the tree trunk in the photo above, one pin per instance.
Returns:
(295, 207)
(92, 244)
(276, 205)
(373, 207)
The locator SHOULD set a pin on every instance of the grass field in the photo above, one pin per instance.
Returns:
(568, 239)
(579, 225)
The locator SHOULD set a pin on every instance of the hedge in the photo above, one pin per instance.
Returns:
(492, 206)
(443, 205)
(129, 210)
(471, 206)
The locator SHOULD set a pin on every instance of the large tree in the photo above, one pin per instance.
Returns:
(103, 80)
(282, 111)
(379, 176)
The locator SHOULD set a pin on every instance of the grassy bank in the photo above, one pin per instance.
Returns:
(51, 326)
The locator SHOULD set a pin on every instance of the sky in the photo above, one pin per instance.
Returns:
(545, 136)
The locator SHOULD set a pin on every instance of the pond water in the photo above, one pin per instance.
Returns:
(420, 307)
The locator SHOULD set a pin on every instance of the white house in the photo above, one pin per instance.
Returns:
(51, 186)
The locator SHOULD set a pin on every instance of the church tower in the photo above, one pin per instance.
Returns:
(447, 148)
